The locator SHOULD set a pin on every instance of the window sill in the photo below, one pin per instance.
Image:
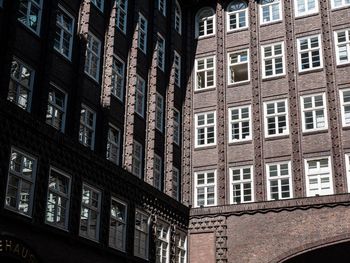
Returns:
(313, 132)
(273, 77)
(205, 37)
(241, 142)
(237, 84)
(299, 17)
(343, 65)
(204, 147)
(30, 30)
(237, 30)
(91, 78)
(310, 71)
(277, 137)
(334, 9)
(346, 128)
(204, 90)
(262, 24)
(69, 60)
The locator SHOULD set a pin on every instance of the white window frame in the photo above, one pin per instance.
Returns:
(276, 116)
(347, 167)
(306, 5)
(56, 108)
(309, 51)
(163, 243)
(157, 172)
(162, 7)
(113, 147)
(205, 70)
(241, 183)
(279, 179)
(39, 5)
(181, 247)
(205, 126)
(176, 127)
(121, 18)
(140, 93)
(205, 20)
(84, 126)
(91, 55)
(230, 64)
(176, 183)
(119, 239)
(346, 43)
(159, 118)
(142, 33)
(140, 231)
(137, 158)
(319, 176)
(99, 4)
(345, 118)
(118, 78)
(272, 58)
(314, 109)
(206, 185)
(270, 7)
(237, 16)
(178, 18)
(177, 69)
(342, 4)
(160, 52)
(240, 120)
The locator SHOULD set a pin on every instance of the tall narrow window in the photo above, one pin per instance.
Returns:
(240, 124)
(273, 60)
(142, 33)
(340, 3)
(140, 96)
(318, 177)
(305, 7)
(157, 172)
(122, 15)
(137, 159)
(21, 84)
(342, 46)
(176, 132)
(279, 181)
(118, 77)
(160, 52)
(90, 213)
(205, 73)
(345, 106)
(117, 225)
(58, 197)
(87, 127)
(309, 53)
(20, 183)
(162, 243)
(113, 145)
(205, 188)
(237, 15)
(56, 108)
(270, 11)
(141, 234)
(314, 112)
(159, 112)
(30, 14)
(63, 41)
(205, 22)
(176, 184)
(162, 7)
(93, 56)
(177, 69)
(205, 129)
(276, 118)
(98, 4)
(238, 64)
(181, 248)
(242, 190)
(178, 18)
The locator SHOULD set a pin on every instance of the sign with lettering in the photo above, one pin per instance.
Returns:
(14, 248)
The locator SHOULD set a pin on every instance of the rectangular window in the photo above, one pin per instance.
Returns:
(276, 118)
(314, 112)
(340, 3)
(238, 67)
(272, 60)
(63, 41)
(117, 225)
(118, 77)
(309, 53)
(318, 177)
(58, 198)
(87, 127)
(270, 11)
(205, 23)
(205, 188)
(141, 234)
(240, 124)
(98, 4)
(279, 181)
(162, 7)
(122, 14)
(20, 183)
(142, 33)
(178, 18)
(305, 7)
(157, 172)
(160, 52)
(113, 145)
(21, 85)
(137, 159)
(90, 213)
(176, 132)
(177, 69)
(159, 112)
(162, 243)
(242, 188)
(93, 56)
(342, 46)
(176, 184)
(56, 108)
(181, 248)
(30, 14)
(237, 15)
(140, 96)
(205, 73)
(205, 129)
(345, 106)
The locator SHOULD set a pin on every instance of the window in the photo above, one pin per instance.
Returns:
(205, 73)
(272, 60)
(178, 18)
(242, 188)
(347, 163)
(176, 132)
(340, 3)
(318, 177)
(240, 124)
(21, 85)
(20, 183)
(140, 96)
(342, 46)
(276, 118)
(58, 197)
(181, 248)
(177, 69)
(142, 33)
(279, 181)
(160, 52)
(1, 3)
(137, 159)
(314, 112)
(176, 184)
(113, 145)
(205, 129)
(162, 243)
(63, 41)
(237, 15)
(162, 7)
(122, 14)
(238, 68)
(305, 7)
(93, 55)
(90, 213)
(30, 14)
(157, 172)
(310, 53)
(98, 4)
(345, 106)
(205, 188)
(118, 77)
(159, 112)
(117, 225)
(87, 127)
(205, 22)
(270, 11)
(141, 234)
(56, 108)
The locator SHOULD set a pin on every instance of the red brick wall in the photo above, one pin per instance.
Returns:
(202, 248)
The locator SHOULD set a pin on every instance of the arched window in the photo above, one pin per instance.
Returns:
(205, 22)
(237, 15)
(178, 18)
